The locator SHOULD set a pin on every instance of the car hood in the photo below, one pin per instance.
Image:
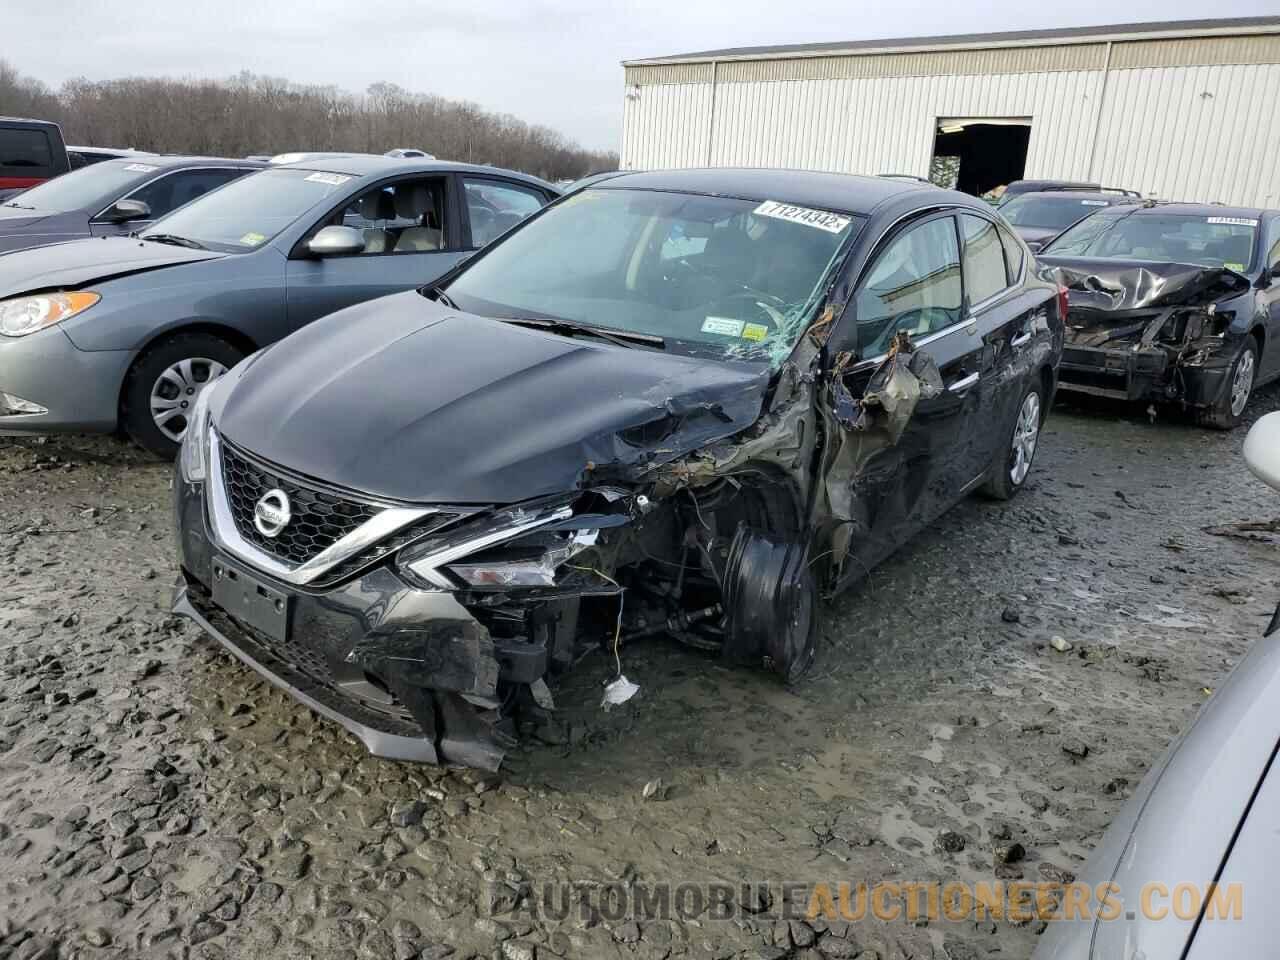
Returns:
(63, 266)
(403, 399)
(1102, 284)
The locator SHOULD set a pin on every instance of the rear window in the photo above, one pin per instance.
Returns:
(25, 153)
(1211, 240)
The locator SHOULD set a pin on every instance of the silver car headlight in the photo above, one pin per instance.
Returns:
(21, 316)
(193, 455)
(516, 547)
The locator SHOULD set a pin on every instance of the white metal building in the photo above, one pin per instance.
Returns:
(1186, 110)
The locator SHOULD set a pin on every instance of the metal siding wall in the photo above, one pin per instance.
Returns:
(856, 125)
(1161, 135)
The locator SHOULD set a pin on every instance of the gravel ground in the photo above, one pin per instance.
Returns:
(157, 799)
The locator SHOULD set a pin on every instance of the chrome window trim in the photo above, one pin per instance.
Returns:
(226, 536)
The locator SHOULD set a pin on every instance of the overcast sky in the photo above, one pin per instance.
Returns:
(555, 62)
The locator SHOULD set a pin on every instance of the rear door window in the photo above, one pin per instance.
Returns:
(494, 207)
(985, 273)
(25, 153)
(1013, 255)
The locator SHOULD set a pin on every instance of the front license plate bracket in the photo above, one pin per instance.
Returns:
(250, 600)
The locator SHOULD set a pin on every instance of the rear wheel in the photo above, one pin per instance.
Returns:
(1227, 413)
(1013, 461)
(165, 383)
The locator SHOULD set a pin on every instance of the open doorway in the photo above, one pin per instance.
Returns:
(978, 154)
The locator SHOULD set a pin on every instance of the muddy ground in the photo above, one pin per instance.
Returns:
(157, 799)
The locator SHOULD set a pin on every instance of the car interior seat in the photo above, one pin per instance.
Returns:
(415, 202)
(375, 207)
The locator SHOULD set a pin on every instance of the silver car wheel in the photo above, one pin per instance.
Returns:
(1242, 384)
(176, 390)
(1026, 434)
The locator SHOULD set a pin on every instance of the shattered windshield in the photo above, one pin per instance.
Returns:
(1032, 211)
(737, 279)
(248, 212)
(1208, 240)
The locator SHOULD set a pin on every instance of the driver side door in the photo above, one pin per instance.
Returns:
(913, 285)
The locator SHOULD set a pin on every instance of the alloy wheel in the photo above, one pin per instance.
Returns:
(1242, 383)
(1026, 434)
(176, 390)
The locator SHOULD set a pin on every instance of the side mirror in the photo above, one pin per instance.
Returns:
(1262, 450)
(122, 211)
(336, 241)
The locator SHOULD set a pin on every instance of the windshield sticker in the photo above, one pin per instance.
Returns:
(253, 239)
(1093, 203)
(755, 331)
(822, 219)
(725, 326)
(332, 179)
(141, 168)
(1237, 267)
(1234, 221)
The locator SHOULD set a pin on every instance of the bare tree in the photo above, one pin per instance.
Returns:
(253, 114)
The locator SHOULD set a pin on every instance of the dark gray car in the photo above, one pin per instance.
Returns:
(140, 325)
(111, 198)
(1208, 813)
(1039, 217)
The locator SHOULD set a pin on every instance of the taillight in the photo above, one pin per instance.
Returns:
(1064, 301)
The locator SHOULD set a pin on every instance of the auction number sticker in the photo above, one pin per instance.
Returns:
(821, 219)
(1234, 221)
(332, 179)
(725, 326)
(1093, 203)
(141, 168)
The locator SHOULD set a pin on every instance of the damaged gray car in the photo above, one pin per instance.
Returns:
(687, 405)
(1173, 303)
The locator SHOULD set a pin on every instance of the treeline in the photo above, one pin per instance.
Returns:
(251, 114)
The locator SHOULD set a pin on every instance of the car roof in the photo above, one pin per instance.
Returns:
(1191, 210)
(811, 188)
(164, 161)
(367, 165)
(1077, 195)
(26, 122)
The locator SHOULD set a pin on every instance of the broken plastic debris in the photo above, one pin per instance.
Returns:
(619, 692)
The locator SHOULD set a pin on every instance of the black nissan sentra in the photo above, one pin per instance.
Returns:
(687, 405)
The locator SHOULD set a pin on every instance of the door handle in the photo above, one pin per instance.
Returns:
(963, 384)
(1020, 340)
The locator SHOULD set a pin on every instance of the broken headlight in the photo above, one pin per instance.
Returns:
(529, 561)
(515, 547)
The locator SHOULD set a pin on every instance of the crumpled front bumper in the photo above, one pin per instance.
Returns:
(407, 671)
(1142, 374)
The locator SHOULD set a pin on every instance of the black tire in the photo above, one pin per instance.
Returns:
(1001, 483)
(1221, 416)
(136, 417)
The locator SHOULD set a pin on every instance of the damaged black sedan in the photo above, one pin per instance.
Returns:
(1173, 303)
(684, 404)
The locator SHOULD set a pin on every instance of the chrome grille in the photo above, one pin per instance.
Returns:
(319, 518)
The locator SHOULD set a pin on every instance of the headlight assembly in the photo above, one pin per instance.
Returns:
(193, 455)
(25, 315)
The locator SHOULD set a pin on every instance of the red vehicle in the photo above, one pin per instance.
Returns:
(31, 152)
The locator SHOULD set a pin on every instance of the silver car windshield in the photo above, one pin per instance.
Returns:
(739, 279)
(87, 187)
(250, 211)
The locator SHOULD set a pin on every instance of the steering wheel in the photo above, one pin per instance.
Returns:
(771, 306)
